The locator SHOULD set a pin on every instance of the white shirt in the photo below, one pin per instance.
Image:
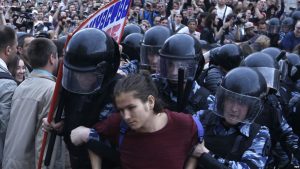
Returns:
(220, 12)
(186, 30)
(179, 25)
(3, 64)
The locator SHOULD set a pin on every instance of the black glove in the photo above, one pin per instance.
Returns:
(104, 151)
(207, 161)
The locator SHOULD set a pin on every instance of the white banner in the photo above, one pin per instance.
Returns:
(111, 18)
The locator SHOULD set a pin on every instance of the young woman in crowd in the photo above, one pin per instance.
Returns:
(154, 137)
(17, 68)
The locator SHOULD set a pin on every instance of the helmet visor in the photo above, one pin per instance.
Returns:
(150, 56)
(283, 69)
(273, 29)
(271, 76)
(236, 108)
(169, 68)
(295, 72)
(81, 82)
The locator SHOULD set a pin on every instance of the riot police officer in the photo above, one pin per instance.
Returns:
(273, 31)
(131, 28)
(180, 91)
(222, 60)
(282, 136)
(154, 39)
(291, 92)
(150, 45)
(232, 139)
(89, 74)
(132, 46)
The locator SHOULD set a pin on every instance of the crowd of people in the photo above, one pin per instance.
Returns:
(210, 84)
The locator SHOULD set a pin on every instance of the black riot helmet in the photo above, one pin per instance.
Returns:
(92, 59)
(266, 65)
(244, 87)
(293, 66)
(205, 45)
(180, 51)
(296, 16)
(272, 51)
(275, 53)
(154, 39)
(213, 56)
(273, 26)
(287, 24)
(229, 57)
(132, 45)
(60, 44)
(131, 28)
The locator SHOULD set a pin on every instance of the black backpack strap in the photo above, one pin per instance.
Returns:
(5, 75)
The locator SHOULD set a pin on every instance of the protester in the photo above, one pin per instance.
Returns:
(8, 50)
(17, 69)
(191, 29)
(30, 104)
(291, 39)
(23, 43)
(149, 127)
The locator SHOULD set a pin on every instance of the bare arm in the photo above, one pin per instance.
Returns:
(198, 150)
(2, 18)
(55, 16)
(96, 160)
(257, 11)
(191, 163)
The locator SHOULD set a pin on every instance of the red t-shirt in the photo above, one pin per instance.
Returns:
(167, 148)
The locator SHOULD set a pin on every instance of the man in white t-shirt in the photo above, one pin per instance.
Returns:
(191, 29)
(177, 25)
(223, 10)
